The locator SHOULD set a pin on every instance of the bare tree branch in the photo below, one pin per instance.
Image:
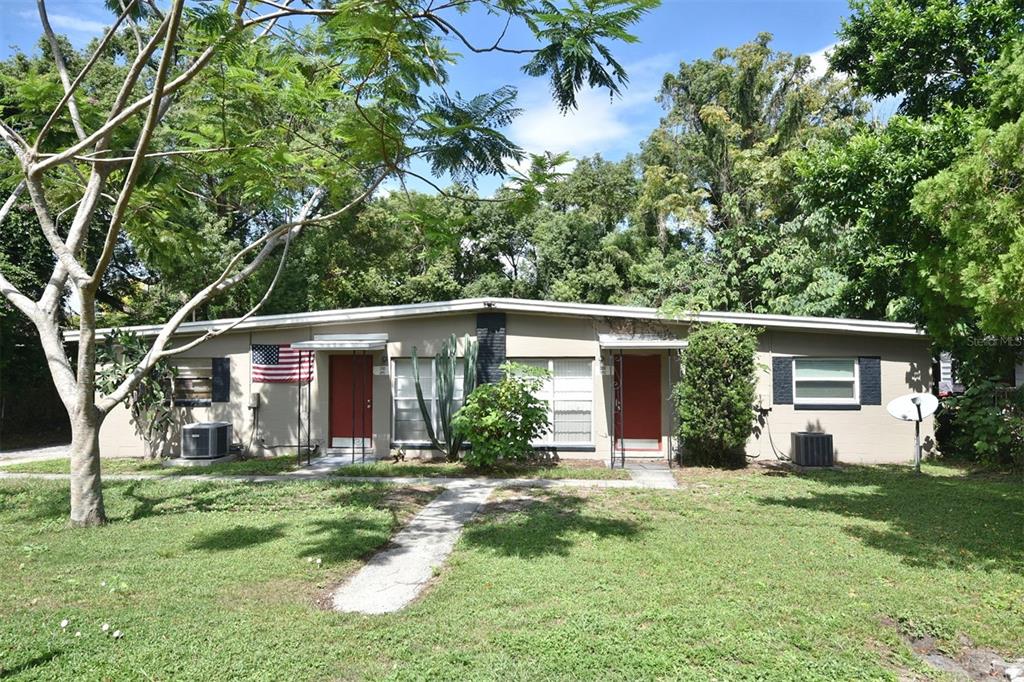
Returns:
(49, 228)
(9, 204)
(69, 91)
(266, 244)
(14, 141)
(145, 135)
(62, 69)
(95, 158)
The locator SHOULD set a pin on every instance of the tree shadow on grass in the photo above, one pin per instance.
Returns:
(932, 521)
(336, 541)
(543, 524)
(26, 666)
(238, 537)
(30, 501)
(360, 533)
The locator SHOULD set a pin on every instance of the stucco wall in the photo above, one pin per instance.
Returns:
(865, 435)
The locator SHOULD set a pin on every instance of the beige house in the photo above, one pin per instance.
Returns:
(612, 368)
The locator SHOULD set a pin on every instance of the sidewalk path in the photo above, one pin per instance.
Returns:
(35, 454)
(438, 481)
(395, 576)
(651, 473)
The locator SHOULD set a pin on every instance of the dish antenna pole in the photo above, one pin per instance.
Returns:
(914, 408)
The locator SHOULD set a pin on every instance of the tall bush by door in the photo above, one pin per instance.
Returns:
(502, 419)
(714, 398)
(450, 439)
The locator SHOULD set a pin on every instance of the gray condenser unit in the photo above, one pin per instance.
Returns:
(812, 449)
(205, 440)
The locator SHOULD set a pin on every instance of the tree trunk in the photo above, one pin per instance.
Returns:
(86, 488)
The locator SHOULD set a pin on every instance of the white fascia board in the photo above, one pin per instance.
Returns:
(382, 313)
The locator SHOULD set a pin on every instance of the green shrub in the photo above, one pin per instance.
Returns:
(714, 398)
(985, 424)
(501, 420)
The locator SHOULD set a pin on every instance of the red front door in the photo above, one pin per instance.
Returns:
(351, 423)
(638, 402)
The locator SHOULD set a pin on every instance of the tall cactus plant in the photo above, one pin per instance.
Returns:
(450, 441)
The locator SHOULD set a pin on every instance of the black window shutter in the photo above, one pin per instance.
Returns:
(782, 381)
(490, 332)
(870, 380)
(221, 380)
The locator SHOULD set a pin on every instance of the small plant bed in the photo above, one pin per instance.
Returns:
(131, 465)
(566, 469)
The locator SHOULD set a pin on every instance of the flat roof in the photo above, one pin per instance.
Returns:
(316, 318)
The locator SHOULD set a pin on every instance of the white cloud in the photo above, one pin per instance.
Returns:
(64, 22)
(599, 124)
(820, 59)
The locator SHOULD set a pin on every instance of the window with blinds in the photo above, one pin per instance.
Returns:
(829, 381)
(193, 380)
(569, 393)
(408, 424)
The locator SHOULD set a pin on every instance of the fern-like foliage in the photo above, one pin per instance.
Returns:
(461, 136)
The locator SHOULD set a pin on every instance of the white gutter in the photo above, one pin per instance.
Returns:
(467, 305)
(619, 342)
(344, 342)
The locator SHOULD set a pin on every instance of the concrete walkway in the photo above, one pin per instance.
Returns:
(35, 454)
(438, 481)
(651, 473)
(394, 577)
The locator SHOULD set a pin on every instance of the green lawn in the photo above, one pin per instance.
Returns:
(736, 576)
(286, 463)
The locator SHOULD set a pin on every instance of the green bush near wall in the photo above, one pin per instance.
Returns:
(502, 420)
(714, 399)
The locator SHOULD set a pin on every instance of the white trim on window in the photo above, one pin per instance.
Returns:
(426, 370)
(855, 400)
(548, 393)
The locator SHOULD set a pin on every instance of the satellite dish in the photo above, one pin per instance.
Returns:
(913, 407)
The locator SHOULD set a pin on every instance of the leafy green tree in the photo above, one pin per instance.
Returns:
(284, 115)
(858, 193)
(977, 206)
(151, 406)
(717, 170)
(926, 52)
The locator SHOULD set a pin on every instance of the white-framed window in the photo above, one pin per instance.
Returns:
(826, 381)
(569, 393)
(408, 425)
(193, 380)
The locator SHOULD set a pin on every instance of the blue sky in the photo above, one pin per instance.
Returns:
(679, 30)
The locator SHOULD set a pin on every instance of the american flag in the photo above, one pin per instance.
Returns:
(273, 364)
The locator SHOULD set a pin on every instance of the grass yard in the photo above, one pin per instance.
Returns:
(736, 576)
(285, 463)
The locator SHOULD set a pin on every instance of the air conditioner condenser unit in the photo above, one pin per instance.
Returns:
(205, 440)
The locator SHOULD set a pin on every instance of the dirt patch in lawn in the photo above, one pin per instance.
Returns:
(969, 663)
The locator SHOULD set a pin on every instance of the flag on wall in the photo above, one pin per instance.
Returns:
(281, 364)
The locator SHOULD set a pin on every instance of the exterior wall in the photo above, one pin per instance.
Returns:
(865, 435)
(868, 435)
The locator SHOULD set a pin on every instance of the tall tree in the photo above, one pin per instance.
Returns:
(716, 170)
(325, 103)
(977, 207)
(926, 52)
